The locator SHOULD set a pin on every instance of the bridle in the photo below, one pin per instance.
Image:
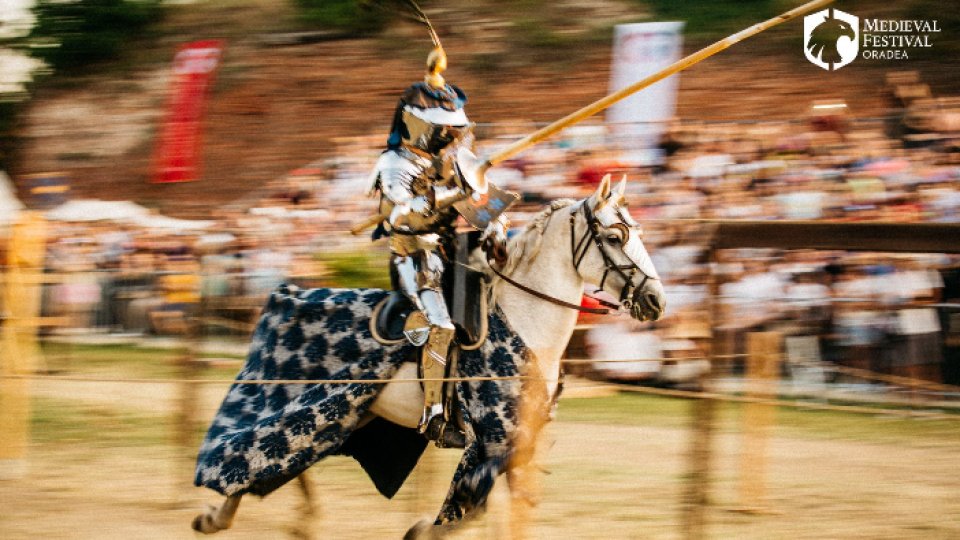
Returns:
(578, 250)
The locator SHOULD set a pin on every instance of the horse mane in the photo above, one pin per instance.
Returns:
(526, 246)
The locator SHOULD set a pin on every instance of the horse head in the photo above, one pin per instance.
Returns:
(607, 249)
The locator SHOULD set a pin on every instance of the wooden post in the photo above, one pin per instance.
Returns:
(763, 368)
(696, 494)
(185, 425)
(19, 354)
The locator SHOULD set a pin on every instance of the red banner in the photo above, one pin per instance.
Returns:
(177, 157)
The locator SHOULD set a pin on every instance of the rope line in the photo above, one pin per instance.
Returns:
(575, 361)
(666, 392)
(158, 380)
(860, 373)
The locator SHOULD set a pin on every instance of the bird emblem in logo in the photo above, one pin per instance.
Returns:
(831, 38)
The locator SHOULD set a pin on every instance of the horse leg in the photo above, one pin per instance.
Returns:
(525, 494)
(523, 474)
(303, 529)
(217, 519)
(479, 467)
(523, 486)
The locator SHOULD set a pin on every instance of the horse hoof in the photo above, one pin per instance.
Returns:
(197, 524)
(204, 523)
(423, 530)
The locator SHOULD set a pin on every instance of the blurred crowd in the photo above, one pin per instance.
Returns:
(891, 314)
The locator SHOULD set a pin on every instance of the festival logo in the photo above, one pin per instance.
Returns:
(831, 38)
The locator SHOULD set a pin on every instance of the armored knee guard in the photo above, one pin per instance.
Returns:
(433, 358)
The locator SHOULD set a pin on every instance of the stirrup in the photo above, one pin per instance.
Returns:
(451, 436)
(444, 434)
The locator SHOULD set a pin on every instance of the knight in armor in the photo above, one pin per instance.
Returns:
(419, 177)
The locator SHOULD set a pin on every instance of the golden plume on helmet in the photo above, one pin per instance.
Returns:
(436, 63)
(437, 59)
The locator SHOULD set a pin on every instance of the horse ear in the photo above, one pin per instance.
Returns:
(603, 191)
(622, 187)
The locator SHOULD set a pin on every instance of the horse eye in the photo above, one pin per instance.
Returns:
(613, 238)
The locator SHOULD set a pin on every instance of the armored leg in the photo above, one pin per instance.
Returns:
(408, 269)
(433, 361)
(419, 279)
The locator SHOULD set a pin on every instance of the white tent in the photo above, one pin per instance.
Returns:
(10, 205)
(122, 212)
(97, 210)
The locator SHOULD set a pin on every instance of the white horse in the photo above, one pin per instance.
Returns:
(538, 291)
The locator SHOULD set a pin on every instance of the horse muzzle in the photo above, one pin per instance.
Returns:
(646, 304)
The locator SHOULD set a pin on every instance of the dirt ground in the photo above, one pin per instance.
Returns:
(604, 481)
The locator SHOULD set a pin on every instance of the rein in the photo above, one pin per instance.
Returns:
(552, 300)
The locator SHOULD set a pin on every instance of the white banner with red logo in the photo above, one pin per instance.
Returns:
(177, 157)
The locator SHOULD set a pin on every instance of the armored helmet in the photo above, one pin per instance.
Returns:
(430, 115)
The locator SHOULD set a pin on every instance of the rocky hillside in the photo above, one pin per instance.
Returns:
(275, 107)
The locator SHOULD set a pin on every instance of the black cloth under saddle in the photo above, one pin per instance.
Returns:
(463, 291)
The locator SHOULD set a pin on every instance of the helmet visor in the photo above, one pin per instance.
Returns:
(431, 136)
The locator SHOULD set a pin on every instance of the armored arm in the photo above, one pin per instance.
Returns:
(396, 177)
(396, 174)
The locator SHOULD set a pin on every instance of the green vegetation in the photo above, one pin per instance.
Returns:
(542, 43)
(70, 36)
(57, 420)
(625, 409)
(714, 19)
(358, 269)
(86, 424)
(353, 16)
